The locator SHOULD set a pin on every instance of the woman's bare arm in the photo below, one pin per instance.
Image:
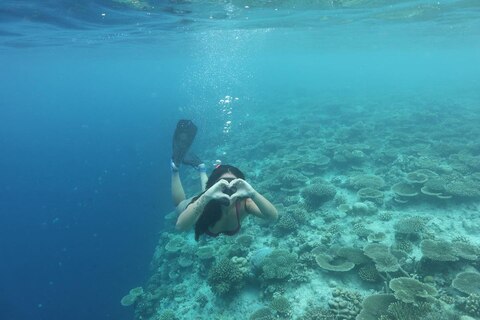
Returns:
(259, 206)
(192, 212)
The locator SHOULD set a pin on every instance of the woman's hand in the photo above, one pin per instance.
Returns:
(216, 192)
(242, 189)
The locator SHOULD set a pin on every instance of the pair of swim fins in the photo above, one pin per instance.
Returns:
(183, 137)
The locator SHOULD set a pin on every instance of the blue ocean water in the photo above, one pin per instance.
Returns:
(90, 93)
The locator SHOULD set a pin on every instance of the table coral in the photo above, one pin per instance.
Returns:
(438, 250)
(410, 290)
(467, 282)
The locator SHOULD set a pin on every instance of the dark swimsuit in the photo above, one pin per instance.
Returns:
(229, 232)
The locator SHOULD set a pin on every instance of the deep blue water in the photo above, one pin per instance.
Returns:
(90, 95)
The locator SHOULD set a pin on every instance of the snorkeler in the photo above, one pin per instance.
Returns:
(226, 197)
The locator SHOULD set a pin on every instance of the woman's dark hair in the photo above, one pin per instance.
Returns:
(212, 211)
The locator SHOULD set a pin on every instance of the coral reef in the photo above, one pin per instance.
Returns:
(317, 194)
(467, 282)
(411, 290)
(278, 264)
(225, 277)
(381, 203)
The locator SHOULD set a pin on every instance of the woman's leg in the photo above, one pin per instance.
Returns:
(203, 175)
(178, 195)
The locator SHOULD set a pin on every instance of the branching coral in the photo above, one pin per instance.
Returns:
(369, 273)
(281, 305)
(262, 314)
(411, 225)
(472, 305)
(317, 194)
(278, 264)
(286, 224)
(407, 311)
(225, 277)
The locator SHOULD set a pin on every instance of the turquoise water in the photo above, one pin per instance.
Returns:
(327, 97)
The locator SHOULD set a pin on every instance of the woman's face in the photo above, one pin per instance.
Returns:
(228, 176)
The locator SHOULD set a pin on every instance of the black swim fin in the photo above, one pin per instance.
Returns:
(191, 159)
(182, 140)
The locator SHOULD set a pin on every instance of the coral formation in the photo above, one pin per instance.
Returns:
(372, 204)
(407, 311)
(345, 304)
(467, 282)
(281, 305)
(317, 194)
(205, 252)
(438, 250)
(131, 297)
(472, 305)
(374, 306)
(366, 181)
(262, 314)
(225, 277)
(330, 263)
(278, 264)
(370, 194)
(410, 290)
(175, 244)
